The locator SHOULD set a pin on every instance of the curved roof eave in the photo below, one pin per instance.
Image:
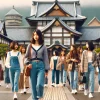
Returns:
(52, 7)
(63, 24)
(57, 45)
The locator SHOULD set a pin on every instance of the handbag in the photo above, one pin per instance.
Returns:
(82, 78)
(70, 67)
(27, 69)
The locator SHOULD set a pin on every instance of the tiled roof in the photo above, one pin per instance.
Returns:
(89, 33)
(19, 33)
(13, 11)
(55, 3)
(1, 26)
(63, 24)
(67, 6)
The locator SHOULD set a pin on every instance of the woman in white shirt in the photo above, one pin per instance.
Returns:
(24, 80)
(13, 62)
(53, 65)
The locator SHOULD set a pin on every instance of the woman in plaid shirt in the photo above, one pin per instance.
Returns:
(98, 65)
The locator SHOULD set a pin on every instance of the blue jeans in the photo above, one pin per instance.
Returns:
(14, 78)
(90, 78)
(37, 77)
(62, 75)
(73, 75)
(7, 78)
(55, 73)
(99, 76)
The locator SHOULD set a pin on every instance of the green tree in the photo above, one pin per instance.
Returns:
(3, 49)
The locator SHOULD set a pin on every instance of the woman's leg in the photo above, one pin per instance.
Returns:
(40, 79)
(64, 76)
(75, 79)
(91, 79)
(71, 77)
(99, 77)
(53, 76)
(11, 75)
(33, 79)
(57, 76)
(16, 80)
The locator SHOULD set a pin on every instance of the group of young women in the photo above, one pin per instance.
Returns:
(36, 59)
(76, 63)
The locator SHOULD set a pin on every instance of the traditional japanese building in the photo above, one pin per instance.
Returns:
(60, 22)
(57, 20)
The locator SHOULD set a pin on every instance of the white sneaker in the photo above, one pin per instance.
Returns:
(73, 92)
(99, 89)
(7, 86)
(21, 91)
(15, 97)
(90, 95)
(45, 85)
(85, 92)
(24, 91)
(53, 84)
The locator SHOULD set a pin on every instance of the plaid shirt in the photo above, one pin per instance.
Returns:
(98, 60)
(84, 60)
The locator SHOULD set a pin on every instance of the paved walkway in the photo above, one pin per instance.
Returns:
(50, 93)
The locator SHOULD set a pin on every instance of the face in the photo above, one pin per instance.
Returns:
(81, 50)
(62, 53)
(23, 50)
(16, 46)
(35, 36)
(87, 45)
(71, 48)
(54, 53)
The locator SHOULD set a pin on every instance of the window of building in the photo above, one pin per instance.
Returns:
(39, 23)
(66, 41)
(44, 23)
(66, 34)
(56, 35)
(47, 41)
(57, 29)
(47, 35)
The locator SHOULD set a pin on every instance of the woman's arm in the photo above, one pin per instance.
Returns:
(21, 62)
(68, 59)
(7, 63)
(45, 58)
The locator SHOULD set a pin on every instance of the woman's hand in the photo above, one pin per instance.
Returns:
(74, 60)
(30, 66)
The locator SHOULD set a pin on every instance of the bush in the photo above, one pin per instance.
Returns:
(3, 49)
(97, 50)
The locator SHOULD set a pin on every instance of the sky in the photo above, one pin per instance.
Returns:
(8, 3)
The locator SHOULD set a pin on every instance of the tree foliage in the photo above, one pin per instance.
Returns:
(3, 49)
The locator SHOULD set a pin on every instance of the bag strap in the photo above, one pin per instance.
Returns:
(18, 54)
(30, 51)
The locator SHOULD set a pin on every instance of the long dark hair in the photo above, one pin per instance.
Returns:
(91, 46)
(74, 53)
(39, 33)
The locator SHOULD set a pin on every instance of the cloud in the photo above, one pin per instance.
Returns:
(90, 2)
(9, 3)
